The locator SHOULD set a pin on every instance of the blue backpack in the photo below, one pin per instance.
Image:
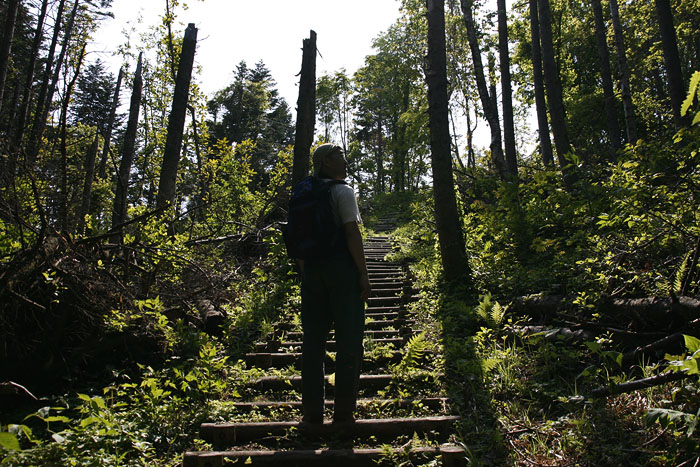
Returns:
(311, 232)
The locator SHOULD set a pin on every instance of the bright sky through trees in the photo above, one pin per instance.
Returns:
(267, 30)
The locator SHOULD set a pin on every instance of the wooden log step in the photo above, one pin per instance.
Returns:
(386, 292)
(373, 333)
(382, 324)
(433, 403)
(276, 383)
(228, 434)
(383, 300)
(382, 309)
(330, 345)
(384, 315)
(284, 359)
(450, 455)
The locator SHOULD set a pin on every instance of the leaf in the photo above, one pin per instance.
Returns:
(58, 438)
(692, 366)
(665, 417)
(9, 441)
(692, 343)
(691, 93)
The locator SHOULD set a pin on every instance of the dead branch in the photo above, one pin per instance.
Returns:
(644, 383)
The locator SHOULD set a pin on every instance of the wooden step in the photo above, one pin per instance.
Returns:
(273, 346)
(223, 435)
(276, 383)
(266, 360)
(434, 403)
(450, 456)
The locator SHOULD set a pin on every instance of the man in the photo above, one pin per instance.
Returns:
(333, 291)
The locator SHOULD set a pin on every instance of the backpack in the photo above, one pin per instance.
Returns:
(311, 232)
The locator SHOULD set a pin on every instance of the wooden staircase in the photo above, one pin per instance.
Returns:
(368, 440)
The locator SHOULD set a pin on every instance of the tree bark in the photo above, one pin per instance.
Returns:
(89, 169)
(176, 121)
(102, 172)
(490, 110)
(625, 88)
(29, 79)
(452, 250)
(506, 92)
(6, 44)
(306, 110)
(553, 87)
(672, 61)
(119, 209)
(44, 102)
(538, 81)
(606, 76)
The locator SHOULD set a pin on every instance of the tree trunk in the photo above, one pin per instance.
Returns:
(306, 110)
(89, 168)
(119, 209)
(66, 225)
(176, 121)
(490, 110)
(606, 76)
(553, 86)
(6, 44)
(44, 103)
(102, 172)
(625, 88)
(29, 79)
(538, 81)
(672, 61)
(452, 251)
(506, 92)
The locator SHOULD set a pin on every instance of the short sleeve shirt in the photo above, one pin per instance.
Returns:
(344, 204)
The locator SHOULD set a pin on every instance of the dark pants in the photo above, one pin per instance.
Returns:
(330, 293)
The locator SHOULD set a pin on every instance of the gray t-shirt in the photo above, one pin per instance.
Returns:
(344, 204)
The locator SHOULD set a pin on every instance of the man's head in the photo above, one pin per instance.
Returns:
(329, 162)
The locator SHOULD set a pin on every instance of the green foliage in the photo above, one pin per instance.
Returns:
(692, 93)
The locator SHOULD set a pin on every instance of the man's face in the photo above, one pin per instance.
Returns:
(335, 166)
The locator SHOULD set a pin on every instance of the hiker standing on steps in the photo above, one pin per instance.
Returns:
(334, 288)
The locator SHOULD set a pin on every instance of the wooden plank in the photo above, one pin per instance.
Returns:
(229, 434)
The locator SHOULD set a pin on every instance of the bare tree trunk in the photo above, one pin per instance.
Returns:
(506, 92)
(306, 110)
(490, 111)
(6, 44)
(672, 61)
(454, 257)
(553, 87)
(89, 168)
(102, 172)
(66, 225)
(119, 209)
(44, 104)
(625, 88)
(538, 81)
(29, 79)
(176, 121)
(606, 76)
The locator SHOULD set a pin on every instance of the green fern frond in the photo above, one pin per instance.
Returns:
(680, 274)
(498, 312)
(415, 348)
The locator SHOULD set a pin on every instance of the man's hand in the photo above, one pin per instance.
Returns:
(365, 288)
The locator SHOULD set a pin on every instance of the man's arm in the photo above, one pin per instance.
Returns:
(354, 240)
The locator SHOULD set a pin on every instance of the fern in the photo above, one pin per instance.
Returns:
(415, 348)
(491, 312)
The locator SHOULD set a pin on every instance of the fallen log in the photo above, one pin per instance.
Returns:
(644, 383)
(664, 343)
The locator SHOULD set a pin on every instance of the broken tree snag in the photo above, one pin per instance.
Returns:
(644, 383)
(176, 121)
(306, 110)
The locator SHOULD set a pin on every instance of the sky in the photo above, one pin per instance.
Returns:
(269, 30)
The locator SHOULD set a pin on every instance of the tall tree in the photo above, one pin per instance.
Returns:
(506, 91)
(452, 250)
(176, 121)
(6, 43)
(44, 102)
(487, 103)
(102, 170)
(553, 85)
(672, 61)
(606, 76)
(625, 88)
(538, 82)
(89, 169)
(306, 110)
(128, 149)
